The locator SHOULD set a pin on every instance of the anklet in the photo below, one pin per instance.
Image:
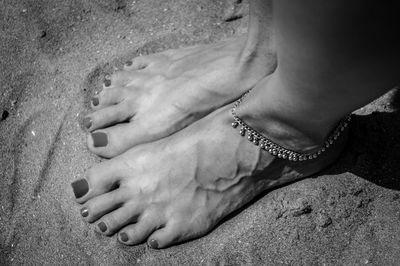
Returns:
(275, 149)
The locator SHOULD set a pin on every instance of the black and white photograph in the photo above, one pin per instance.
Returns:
(199, 132)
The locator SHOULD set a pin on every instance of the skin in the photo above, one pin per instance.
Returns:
(169, 188)
(146, 194)
(162, 93)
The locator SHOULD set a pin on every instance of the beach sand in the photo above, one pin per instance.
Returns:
(53, 56)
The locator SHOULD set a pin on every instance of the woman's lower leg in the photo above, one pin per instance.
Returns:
(332, 59)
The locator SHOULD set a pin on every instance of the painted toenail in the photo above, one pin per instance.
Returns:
(84, 212)
(124, 237)
(95, 101)
(129, 63)
(102, 226)
(87, 122)
(153, 243)
(100, 139)
(107, 82)
(80, 187)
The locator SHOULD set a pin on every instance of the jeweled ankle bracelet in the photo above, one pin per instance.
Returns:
(275, 149)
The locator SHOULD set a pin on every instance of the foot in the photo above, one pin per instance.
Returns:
(157, 95)
(178, 188)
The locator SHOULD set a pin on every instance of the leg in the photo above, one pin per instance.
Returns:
(162, 93)
(180, 187)
(327, 67)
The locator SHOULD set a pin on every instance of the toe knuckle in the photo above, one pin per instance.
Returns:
(158, 79)
(109, 221)
(105, 93)
(90, 174)
(132, 235)
(115, 75)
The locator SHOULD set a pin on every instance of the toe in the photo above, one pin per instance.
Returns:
(98, 206)
(109, 116)
(100, 179)
(134, 234)
(122, 78)
(108, 96)
(171, 234)
(112, 141)
(115, 220)
(138, 63)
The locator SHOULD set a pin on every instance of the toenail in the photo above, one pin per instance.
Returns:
(129, 63)
(107, 82)
(123, 237)
(84, 212)
(100, 139)
(80, 187)
(87, 122)
(153, 243)
(102, 226)
(95, 101)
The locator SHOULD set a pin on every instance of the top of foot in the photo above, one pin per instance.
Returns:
(157, 95)
(180, 187)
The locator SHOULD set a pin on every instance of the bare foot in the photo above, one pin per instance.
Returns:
(178, 188)
(159, 94)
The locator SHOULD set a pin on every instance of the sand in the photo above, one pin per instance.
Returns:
(54, 54)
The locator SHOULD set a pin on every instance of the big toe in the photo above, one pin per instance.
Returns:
(99, 179)
(112, 141)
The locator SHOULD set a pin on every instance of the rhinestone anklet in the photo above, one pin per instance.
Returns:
(275, 149)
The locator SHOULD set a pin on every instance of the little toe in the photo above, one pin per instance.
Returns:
(100, 179)
(115, 220)
(98, 206)
(109, 116)
(134, 234)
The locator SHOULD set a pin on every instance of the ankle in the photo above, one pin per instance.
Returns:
(283, 119)
(258, 46)
(254, 63)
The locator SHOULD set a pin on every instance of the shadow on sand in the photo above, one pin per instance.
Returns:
(373, 150)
